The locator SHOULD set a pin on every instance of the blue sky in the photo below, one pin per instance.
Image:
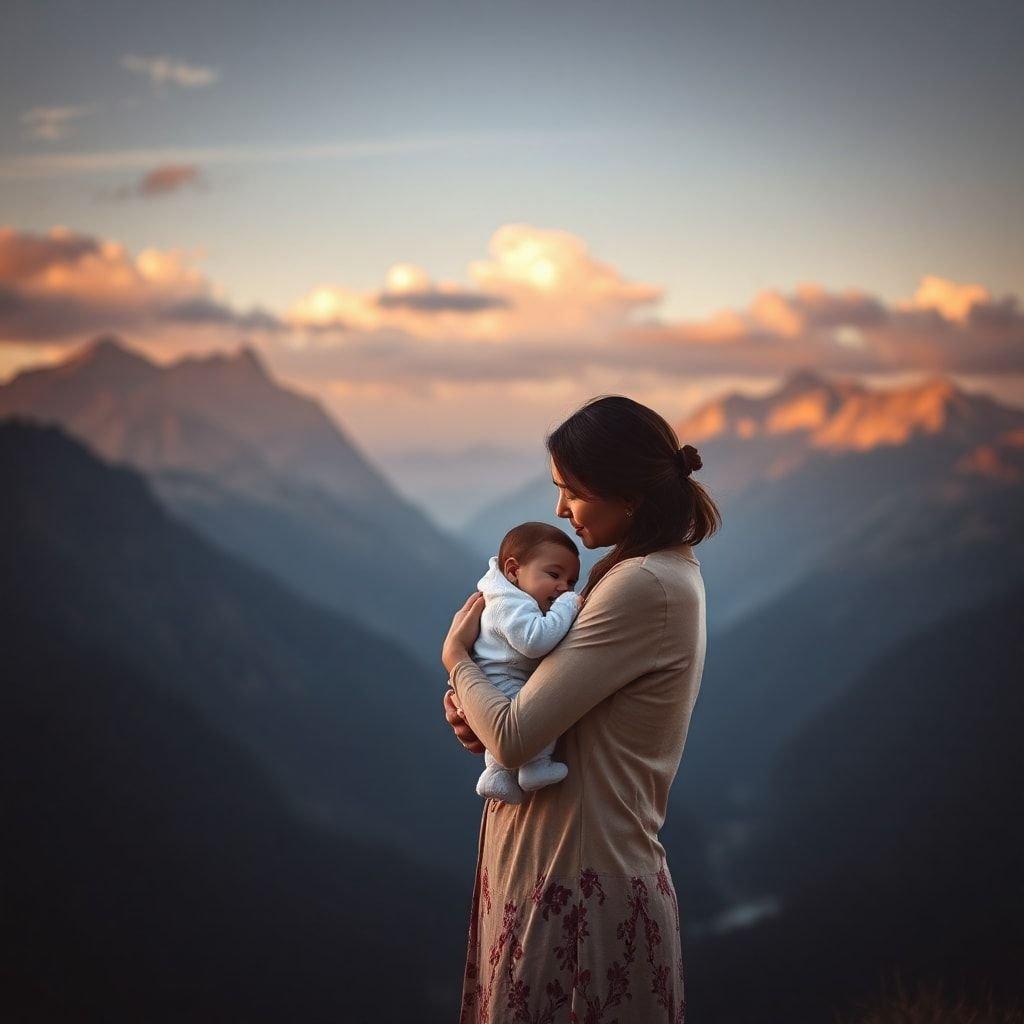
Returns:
(723, 147)
(709, 150)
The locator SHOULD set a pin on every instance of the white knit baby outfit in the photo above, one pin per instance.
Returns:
(514, 635)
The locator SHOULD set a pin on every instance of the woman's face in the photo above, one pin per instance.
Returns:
(598, 522)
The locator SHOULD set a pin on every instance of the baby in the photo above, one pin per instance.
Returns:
(529, 605)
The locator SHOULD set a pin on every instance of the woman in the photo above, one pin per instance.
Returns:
(574, 915)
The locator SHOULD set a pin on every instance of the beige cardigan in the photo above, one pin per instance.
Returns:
(617, 694)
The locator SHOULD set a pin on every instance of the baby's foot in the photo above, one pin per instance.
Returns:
(541, 773)
(500, 784)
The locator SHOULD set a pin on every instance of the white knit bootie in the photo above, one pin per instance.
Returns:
(499, 783)
(541, 772)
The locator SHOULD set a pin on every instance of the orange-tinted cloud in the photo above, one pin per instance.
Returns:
(954, 301)
(163, 180)
(543, 307)
(536, 284)
(538, 308)
(169, 178)
(63, 285)
(945, 326)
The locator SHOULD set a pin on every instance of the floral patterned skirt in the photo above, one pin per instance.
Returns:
(594, 949)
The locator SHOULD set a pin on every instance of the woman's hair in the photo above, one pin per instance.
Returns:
(521, 541)
(614, 447)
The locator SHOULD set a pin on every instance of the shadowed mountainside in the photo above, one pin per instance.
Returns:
(892, 836)
(267, 475)
(926, 550)
(350, 727)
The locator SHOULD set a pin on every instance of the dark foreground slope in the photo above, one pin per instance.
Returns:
(151, 872)
(892, 838)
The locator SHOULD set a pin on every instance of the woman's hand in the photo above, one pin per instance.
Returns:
(463, 733)
(465, 628)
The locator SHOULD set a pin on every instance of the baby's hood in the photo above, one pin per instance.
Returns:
(494, 583)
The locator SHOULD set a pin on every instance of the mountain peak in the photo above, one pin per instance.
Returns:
(107, 350)
(802, 380)
(248, 357)
(108, 362)
(244, 362)
(938, 385)
(842, 414)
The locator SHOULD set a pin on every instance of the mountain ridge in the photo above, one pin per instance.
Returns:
(264, 472)
(839, 414)
(89, 549)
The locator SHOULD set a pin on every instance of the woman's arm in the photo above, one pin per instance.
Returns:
(616, 638)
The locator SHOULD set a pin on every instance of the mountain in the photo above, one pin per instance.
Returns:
(891, 835)
(774, 667)
(811, 469)
(453, 486)
(350, 727)
(152, 871)
(266, 474)
(819, 571)
(815, 465)
(808, 413)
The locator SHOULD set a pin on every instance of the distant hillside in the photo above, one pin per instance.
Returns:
(266, 474)
(892, 835)
(931, 549)
(351, 728)
(818, 468)
(918, 765)
(453, 486)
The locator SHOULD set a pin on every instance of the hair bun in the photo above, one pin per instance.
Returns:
(689, 459)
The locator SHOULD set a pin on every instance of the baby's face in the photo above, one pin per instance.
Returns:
(550, 571)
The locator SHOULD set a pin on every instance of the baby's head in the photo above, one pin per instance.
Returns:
(540, 560)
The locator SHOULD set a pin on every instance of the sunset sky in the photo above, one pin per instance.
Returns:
(455, 222)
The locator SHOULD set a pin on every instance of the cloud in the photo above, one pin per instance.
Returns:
(63, 286)
(53, 123)
(161, 181)
(161, 70)
(945, 326)
(543, 306)
(437, 301)
(538, 309)
(56, 165)
(24, 255)
(536, 284)
(209, 311)
(408, 287)
(169, 178)
(954, 301)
